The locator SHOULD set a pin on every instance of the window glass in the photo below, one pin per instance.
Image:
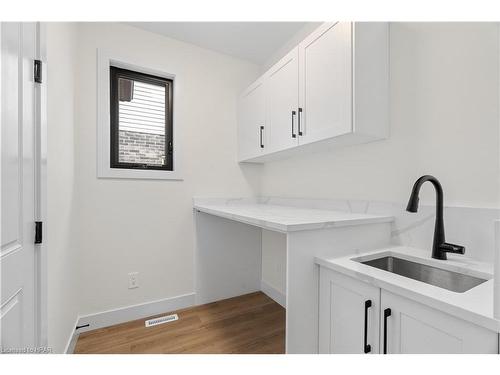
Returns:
(140, 121)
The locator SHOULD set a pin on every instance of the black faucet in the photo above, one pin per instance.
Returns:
(439, 246)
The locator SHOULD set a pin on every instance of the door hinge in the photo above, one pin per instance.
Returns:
(38, 232)
(37, 71)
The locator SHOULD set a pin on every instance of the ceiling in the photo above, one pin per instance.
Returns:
(252, 41)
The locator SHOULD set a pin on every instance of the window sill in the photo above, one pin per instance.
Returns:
(137, 174)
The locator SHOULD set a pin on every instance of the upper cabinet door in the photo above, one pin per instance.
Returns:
(282, 101)
(326, 82)
(252, 122)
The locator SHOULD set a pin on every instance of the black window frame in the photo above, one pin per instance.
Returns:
(115, 73)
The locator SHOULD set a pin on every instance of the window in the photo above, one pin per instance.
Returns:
(141, 121)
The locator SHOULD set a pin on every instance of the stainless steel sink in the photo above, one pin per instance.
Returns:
(454, 281)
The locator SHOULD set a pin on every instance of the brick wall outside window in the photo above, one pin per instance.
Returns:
(144, 148)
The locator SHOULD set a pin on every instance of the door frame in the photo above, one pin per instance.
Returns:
(41, 256)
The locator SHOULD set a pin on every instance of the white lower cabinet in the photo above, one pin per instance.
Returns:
(413, 328)
(389, 323)
(348, 310)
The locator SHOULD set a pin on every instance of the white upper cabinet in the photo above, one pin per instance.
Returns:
(325, 82)
(282, 90)
(252, 122)
(331, 90)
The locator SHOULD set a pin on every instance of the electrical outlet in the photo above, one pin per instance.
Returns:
(133, 280)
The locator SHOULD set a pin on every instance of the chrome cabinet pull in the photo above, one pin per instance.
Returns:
(293, 125)
(261, 137)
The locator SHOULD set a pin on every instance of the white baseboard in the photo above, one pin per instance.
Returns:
(273, 293)
(128, 313)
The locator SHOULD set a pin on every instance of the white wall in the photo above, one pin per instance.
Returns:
(147, 226)
(444, 121)
(63, 278)
(274, 260)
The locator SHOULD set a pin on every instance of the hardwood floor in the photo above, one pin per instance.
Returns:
(250, 324)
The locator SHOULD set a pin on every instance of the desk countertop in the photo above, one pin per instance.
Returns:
(283, 218)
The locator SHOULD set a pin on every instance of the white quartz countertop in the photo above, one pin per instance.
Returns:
(474, 305)
(284, 218)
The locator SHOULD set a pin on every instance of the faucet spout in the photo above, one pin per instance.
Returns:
(439, 245)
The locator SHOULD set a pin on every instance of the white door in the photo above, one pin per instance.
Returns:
(252, 122)
(282, 103)
(409, 327)
(17, 255)
(348, 315)
(325, 94)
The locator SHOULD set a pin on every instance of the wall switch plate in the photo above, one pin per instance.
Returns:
(133, 280)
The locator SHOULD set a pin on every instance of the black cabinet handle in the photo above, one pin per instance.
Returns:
(387, 313)
(366, 347)
(299, 121)
(293, 126)
(261, 137)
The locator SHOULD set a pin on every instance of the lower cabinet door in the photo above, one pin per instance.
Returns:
(408, 327)
(348, 315)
